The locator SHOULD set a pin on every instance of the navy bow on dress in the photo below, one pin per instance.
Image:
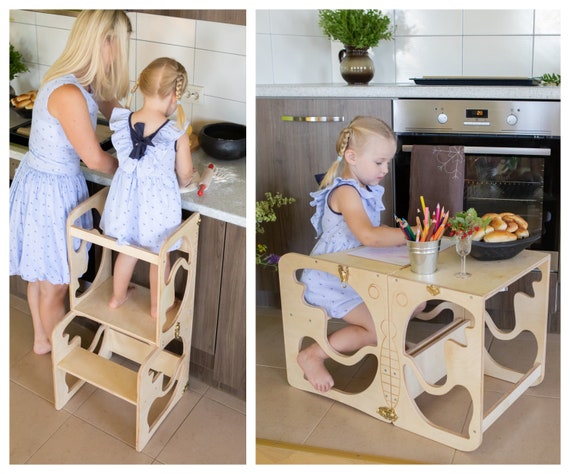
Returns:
(140, 142)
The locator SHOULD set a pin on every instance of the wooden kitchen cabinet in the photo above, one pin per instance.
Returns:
(290, 152)
(218, 341)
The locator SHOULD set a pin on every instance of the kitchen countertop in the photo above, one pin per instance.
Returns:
(408, 90)
(223, 200)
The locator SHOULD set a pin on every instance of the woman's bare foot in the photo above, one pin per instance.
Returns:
(315, 371)
(115, 302)
(42, 347)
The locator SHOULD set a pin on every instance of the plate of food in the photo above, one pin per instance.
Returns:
(23, 104)
(505, 236)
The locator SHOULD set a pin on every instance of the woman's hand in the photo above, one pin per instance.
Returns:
(67, 104)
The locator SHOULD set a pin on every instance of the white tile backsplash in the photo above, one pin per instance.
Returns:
(220, 37)
(498, 22)
(512, 56)
(166, 30)
(427, 42)
(427, 22)
(218, 50)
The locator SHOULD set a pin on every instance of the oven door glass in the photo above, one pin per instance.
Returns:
(502, 174)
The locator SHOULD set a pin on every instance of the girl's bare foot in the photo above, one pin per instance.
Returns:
(315, 371)
(115, 302)
(42, 347)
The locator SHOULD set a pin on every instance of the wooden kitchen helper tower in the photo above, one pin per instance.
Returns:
(131, 355)
(454, 357)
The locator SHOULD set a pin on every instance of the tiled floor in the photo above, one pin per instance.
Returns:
(527, 433)
(206, 426)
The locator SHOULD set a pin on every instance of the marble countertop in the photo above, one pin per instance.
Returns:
(225, 198)
(408, 90)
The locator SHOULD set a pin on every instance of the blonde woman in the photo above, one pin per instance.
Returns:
(90, 75)
(143, 206)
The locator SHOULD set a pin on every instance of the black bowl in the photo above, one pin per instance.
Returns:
(225, 141)
(501, 250)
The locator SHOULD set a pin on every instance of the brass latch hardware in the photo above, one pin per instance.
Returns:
(343, 272)
(177, 331)
(433, 290)
(387, 413)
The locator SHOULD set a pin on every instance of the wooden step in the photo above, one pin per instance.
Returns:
(102, 373)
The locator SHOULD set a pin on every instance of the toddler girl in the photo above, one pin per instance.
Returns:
(143, 206)
(347, 215)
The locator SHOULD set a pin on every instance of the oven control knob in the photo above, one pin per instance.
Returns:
(512, 119)
(442, 118)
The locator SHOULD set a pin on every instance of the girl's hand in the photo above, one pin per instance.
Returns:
(68, 106)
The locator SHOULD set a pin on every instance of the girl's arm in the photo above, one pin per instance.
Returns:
(68, 105)
(183, 166)
(347, 201)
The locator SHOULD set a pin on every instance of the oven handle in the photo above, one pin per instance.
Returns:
(491, 150)
(305, 118)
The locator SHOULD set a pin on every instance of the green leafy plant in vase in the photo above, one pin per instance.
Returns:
(358, 31)
(17, 66)
(265, 211)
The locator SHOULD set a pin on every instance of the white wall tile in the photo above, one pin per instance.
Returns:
(166, 29)
(216, 109)
(220, 37)
(55, 21)
(546, 55)
(428, 22)
(295, 22)
(427, 56)
(22, 16)
(262, 21)
(51, 43)
(23, 38)
(498, 22)
(222, 75)
(547, 22)
(264, 59)
(512, 56)
(301, 59)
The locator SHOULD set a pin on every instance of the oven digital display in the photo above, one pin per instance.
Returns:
(477, 113)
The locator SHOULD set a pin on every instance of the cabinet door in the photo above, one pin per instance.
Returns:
(288, 156)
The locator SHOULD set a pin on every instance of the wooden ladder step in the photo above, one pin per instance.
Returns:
(102, 373)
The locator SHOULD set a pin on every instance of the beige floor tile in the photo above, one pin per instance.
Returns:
(33, 420)
(78, 442)
(211, 434)
(287, 414)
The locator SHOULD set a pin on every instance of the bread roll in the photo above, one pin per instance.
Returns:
(520, 221)
(24, 103)
(489, 215)
(478, 235)
(500, 236)
(498, 224)
(502, 215)
(512, 226)
(521, 233)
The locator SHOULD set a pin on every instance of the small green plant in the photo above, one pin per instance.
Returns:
(17, 64)
(265, 212)
(550, 79)
(362, 29)
(464, 223)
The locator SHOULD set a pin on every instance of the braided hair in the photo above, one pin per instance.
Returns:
(162, 77)
(354, 137)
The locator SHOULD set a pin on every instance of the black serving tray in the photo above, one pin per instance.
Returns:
(475, 81)
(19, 136)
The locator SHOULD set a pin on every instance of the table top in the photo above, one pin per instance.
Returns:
(488, 277)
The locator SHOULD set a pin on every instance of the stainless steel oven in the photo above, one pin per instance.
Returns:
(512, 156)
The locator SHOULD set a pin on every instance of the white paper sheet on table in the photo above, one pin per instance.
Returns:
(394, 255)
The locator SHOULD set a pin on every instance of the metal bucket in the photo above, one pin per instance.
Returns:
(423, 256)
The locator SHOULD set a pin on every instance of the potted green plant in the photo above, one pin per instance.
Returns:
(358, 31)
(17, 66)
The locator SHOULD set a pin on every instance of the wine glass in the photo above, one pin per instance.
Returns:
(463, 248)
